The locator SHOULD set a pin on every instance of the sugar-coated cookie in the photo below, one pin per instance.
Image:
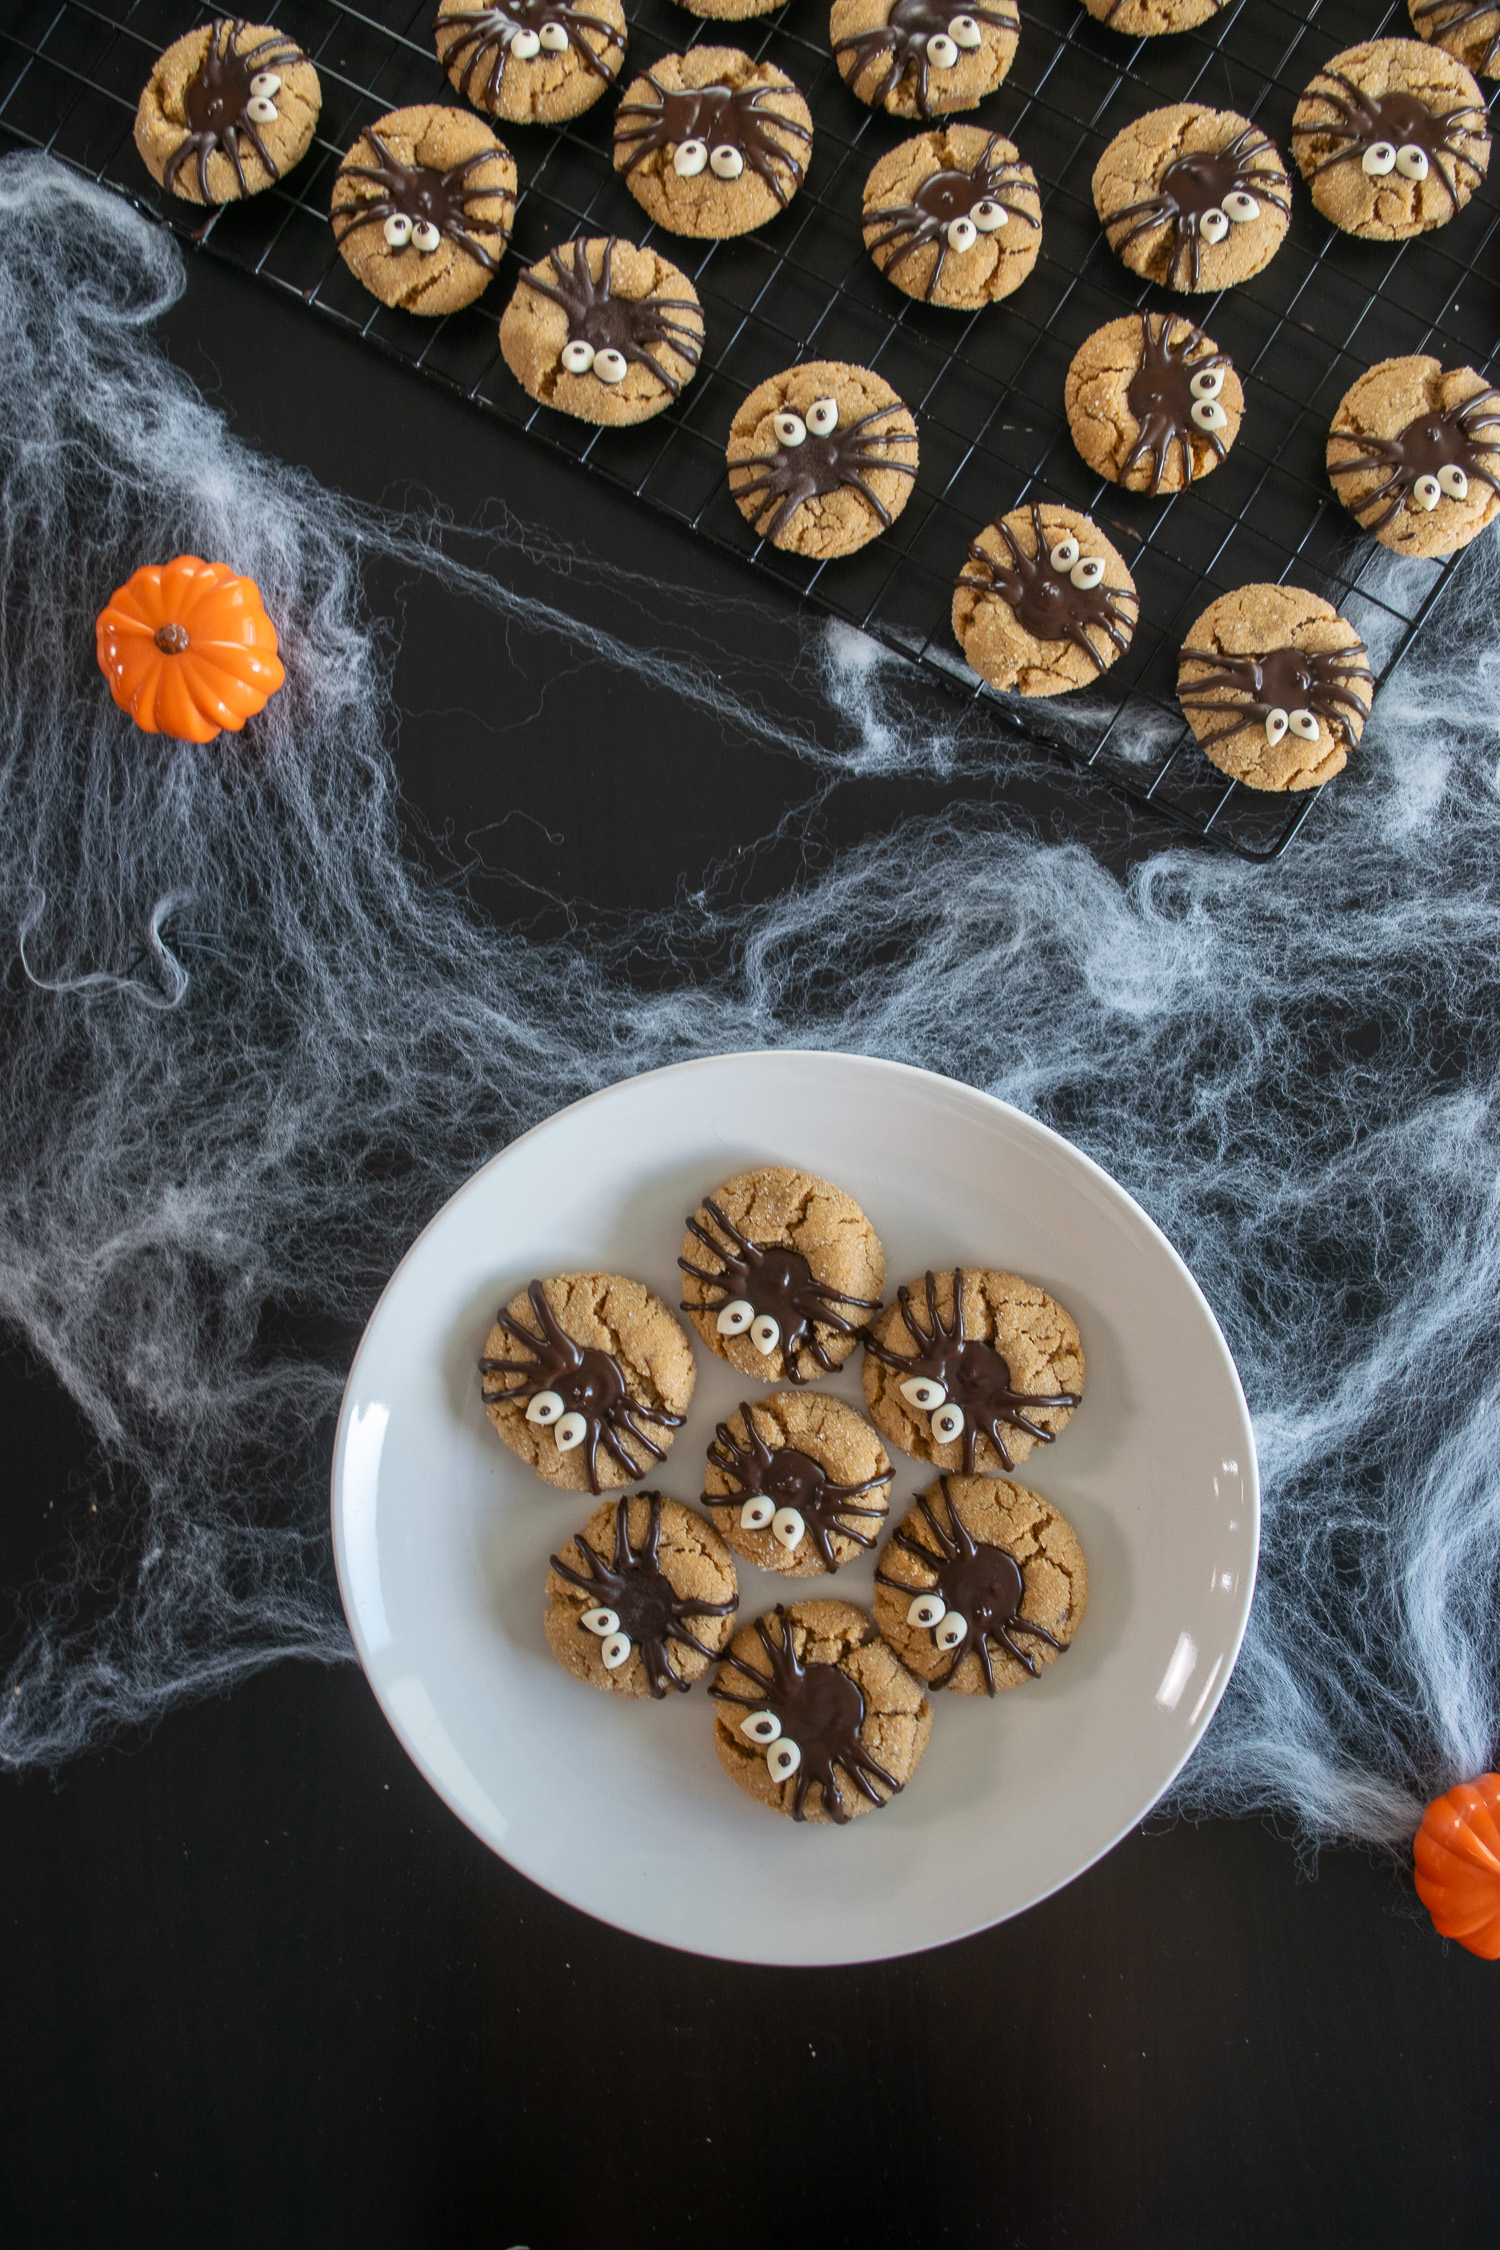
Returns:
(1153, 19)
(1193, 198)
(822, 458)
(642, 1599)
(228, 108)
(982, 1585)
(422, 208)
(953, 217)
(971, 1368)
(604, 331)
(534, 62)
(1414, 454)
(781, 1270)
(712, 144)
(1152, 402)
(1391, 138)
(1045, 602)
(730, 11)
(918, 58)
(1470, 32)
(1276, 686)
(798, 1482)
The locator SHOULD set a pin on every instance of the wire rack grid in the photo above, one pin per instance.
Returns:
(986, 388)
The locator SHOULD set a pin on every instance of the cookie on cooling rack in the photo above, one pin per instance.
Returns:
(712, 144)
(1153, 19)
(1276, 686)
(1193, 198)
(1045, 602)
(798, 1482)
(604, 331)
(1391, 138)
(422, 208)
(918, 58)
(1152, 402)
(1470, 32)
(642, 1599)
(953, 217)
(533, 62)
(822, 458)
(228, 109)
(1414, 454)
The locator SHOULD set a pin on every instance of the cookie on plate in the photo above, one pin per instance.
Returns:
(1391, 138)
(798, 1482)
(953, 217)
(816, 1716)
(586, 1377)
(228, 108)
(971, 1369)
(642, 1599)
(712, 144)
(531, 61)
(918, 58)
(1414, 454)
(1044, 602)
(604, 331)
(1193, 198)
(982, 1585)
(1153, 19)
(1276, 686)
(1152, 402)
(1471, 33)
(422, 208)
(780, 1272)
(825, 455)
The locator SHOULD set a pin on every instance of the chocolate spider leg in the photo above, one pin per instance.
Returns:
(1022, 1656)
(575, 1577)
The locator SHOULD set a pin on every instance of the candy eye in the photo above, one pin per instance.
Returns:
(546, 1407)
(1453, 481)
(739, 1312)
(1065, 553)
(1214, 225)
(578, 358)
(570, 1431)
(1086, 574)
(690, 159)
(942, 52)
(1303, 723)
(757, 1513)
(1379, 158)
(952, 1630)
(1241, 207)
(962, 234)
(727, 162)
(761, 1726)
(927, 1609)
(261, 110)
(397, 230)
(921, 1390)
(1427, 492)
(554, 38)
(1276, 726)
(265, 82)
(615, 1651)
(948, 1423)
(1411, 162)
(524, 45)
(609, 365)
(823, 416)
(1207, 383)
(600, 1621)
(765, 1333)
(1209, 414)
(787, 1528)
(790, 428)
(989, 215)
(783, 1759)
(964, 31)
(425, 236)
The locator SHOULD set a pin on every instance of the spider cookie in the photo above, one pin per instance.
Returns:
(1414, 454)
(798, 1483)
(816, 1716)
(1276, 686)
(422, 208)
(1044, 602)
(532, 61)
(730, 11)
(916, 58)
(1152, 402)
(1470, 33)
(603, 331)
(710, 143)
(1391, 139)
(1193, 198)
(1152, 19)
(780, 1272)
(822, 458)
(971, 1369)
(642, 1599)
(953, 217)
(228, 108)
(586, 1377)
(982, 1584)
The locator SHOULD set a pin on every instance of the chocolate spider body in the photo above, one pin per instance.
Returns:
(793, 475)
(1160, 396)
(1193, 185)
(981, 1583)
(821, 1709)
(792, 1479)
(483, 45)
(1284, 679)
(1046, 602)
(972, 1373)
(629, 325)
(418, 192)
(948, 195)
(779, 1284)
(904, 36)
(634, 1585)
(1362, 121)
(1436, 13)
(589, 1382)
(216, 100)
(720, 117)
(1432, 443)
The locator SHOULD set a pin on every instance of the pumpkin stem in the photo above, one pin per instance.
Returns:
(171, 639)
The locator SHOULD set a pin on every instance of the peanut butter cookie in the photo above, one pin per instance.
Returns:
(1044, 602)
(603, 331)
(798, 1483)
(781, 1270)
(228, 109)
(1470, 32)
(982, 1585)
(534, 62)
(953, 217)
(918, 58)
(712, 144)
(1276, 686)
(422, 208)
(822, 458)
(1152, 402)
(642, 1599)
(1153, 19)
(1414, 454)
(970, 1369)
(1391, 138)
(1193, 198)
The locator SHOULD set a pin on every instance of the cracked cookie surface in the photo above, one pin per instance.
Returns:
(709, 100)
(884, 51)
(1161, 176)
(1000, 1557)
(1034, 1337)
(1375, 116)
(484, 51)
(195, 131)
(821, 495)
(1411, 418)
(1239, 634)
(825, 1461)
(1020, 620)
(679, 1560)
(615, 297)
(1130, 403)
(427, 164)
(919, 189)
(833, 1246)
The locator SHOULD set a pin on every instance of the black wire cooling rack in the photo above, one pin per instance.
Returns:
(986, 388)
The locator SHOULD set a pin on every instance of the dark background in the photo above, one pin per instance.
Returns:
(258, 1986)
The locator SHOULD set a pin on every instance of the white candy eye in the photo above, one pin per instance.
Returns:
(1241, 207)
(397, 230)
(782, 1759)
(790, 428)
(953, 1629)
(726, 162)
(610, 365)
(554, 38)
(823, 417)
(524, 45)
(546, 1407)
(570, 1431)
(1276, 725)
(616, 1651)
(964, 31)
(578, 358)
(942, 52)
(1379, 158)
(1209, 414)
(600, 1621)
(1065, 553)
(265, 82)
(1214, 225)
(761, 1726)
(1427, 492)
(736, 1317)
(787, 1528)
(989, 215)
(1303, 723)
(690, 159)
(948, 1423)
(1207, 383)
(765, 1333)
(1454, 482)
(425, 236)
(927, 1609)
(757, 1513)
(1411, 162)
(1087, 573)
(261, 110)
(962, 234)
(921, 1390)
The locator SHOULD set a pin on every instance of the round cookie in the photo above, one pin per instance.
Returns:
(1276, 686)
(1470, 33)
(953, 217)
(780, 1245)
(829, 455)
(918, 58)
(422, 208)
(586, 1377)
(1152, 19)
(531, 61)
(1391, 139)
(815, 1715)
(604, 331)
(997, 1581)
(712, 144)
(1414, 454)
(972, 1368)
(1033, 611)
(1152, 402)
(1193, 198)
(642, 1599)
(730, 11)
(228, 108)
(809, 1474)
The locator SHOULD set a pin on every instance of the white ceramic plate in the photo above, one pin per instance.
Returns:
(620, 1806)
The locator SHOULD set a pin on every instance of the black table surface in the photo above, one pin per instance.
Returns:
(260, 1987)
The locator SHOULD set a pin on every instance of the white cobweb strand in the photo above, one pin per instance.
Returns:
(251, 1048)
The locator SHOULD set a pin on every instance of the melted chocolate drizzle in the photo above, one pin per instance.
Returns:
(215, 98)
(949, 195)
(1195, 183)
(972, 1372)
(1360, 120)
(1159, 395)
(642, 1596)
(821, 1709)
(793, 1479)
(1284, 679)
(720, 116)
(629, 325)
(589, 1382)
(419, 191)
(904, 36)
(488, 33)
(1426, 11)
(1046, 602)
(777, 1282)
(982, 1582)
(795, 474)
(1433, 441)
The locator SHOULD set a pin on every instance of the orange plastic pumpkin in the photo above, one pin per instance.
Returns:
(188, 650)
(1458, 1864)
